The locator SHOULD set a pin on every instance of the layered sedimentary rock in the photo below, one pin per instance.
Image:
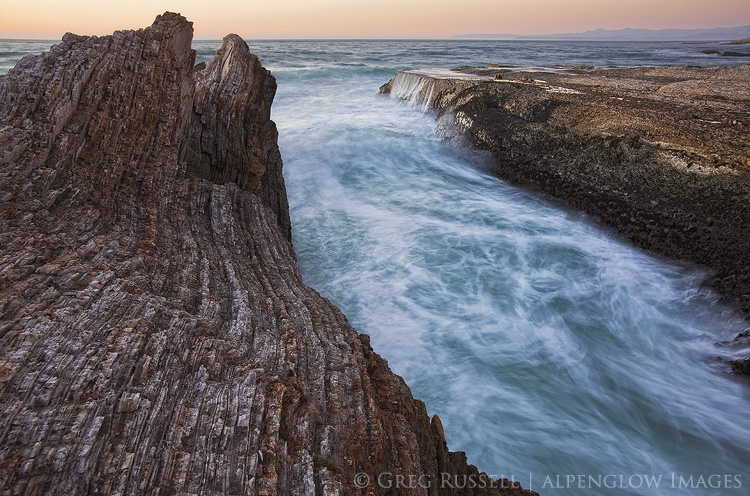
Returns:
(660, 154)
(156, 336)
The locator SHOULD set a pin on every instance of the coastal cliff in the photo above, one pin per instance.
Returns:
(156, 335)
(660, 154)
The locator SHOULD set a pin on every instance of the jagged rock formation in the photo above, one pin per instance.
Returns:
(661, 153)
(156, 336)
(231, 117)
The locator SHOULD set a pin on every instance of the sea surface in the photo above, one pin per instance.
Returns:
(555, 353)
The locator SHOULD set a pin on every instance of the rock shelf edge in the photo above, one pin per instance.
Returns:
(659, 154)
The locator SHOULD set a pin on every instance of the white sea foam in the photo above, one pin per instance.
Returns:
(544, 344)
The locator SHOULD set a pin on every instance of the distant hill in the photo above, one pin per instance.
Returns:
(627, 34)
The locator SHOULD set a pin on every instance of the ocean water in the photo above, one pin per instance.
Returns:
(555, 353)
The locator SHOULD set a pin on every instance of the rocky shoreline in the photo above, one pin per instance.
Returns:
(156, 336)
(660, 154)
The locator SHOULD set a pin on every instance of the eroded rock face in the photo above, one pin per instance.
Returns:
(231, 118)
(155, 333)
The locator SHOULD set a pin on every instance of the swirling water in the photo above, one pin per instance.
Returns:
(547, 345)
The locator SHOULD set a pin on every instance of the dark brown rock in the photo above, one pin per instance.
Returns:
(741, 366)
(155, 334)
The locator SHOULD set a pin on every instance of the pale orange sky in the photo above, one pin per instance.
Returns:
(212, 19)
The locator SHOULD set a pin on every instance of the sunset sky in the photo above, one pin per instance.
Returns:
(50, 19)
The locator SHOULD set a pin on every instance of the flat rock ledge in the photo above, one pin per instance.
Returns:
(156, 336)
(660, 154)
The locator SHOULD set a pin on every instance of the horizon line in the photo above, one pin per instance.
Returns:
(455, 37)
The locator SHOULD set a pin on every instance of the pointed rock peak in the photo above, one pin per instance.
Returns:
(168, 19)
(234, 42)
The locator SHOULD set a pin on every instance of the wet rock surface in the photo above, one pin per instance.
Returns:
(725, 53)
(661, 154)
(155, 333)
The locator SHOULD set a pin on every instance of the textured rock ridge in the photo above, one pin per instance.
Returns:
(155, 333)
(227, 127)
(661, 154)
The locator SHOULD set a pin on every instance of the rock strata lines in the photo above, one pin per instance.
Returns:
(155, 333)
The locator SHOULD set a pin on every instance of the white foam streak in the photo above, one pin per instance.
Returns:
(417, 89)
